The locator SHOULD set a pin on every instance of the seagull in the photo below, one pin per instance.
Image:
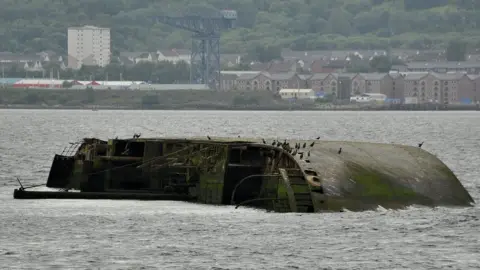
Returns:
(420, 144)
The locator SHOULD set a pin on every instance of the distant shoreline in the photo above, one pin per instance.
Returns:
(216, 108)
(63, 99)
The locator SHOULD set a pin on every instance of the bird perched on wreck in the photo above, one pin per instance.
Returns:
(304, 144)
(208, 137)
(264, 142)
(137, 135)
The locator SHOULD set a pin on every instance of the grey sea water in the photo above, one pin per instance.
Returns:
(76, 234)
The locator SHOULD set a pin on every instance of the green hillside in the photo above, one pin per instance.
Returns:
(35, 25)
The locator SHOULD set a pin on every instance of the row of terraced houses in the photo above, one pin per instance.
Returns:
(445, 88)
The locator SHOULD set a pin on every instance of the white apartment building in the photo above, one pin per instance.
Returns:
(88, 45)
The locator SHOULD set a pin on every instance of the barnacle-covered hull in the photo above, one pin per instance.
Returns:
(285, 176)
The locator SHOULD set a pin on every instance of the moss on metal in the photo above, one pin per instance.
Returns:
(375, 185)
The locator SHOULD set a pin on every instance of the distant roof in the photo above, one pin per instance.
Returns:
(248, 76)
(9, 80)
(373, 76)
(239, 72)
(229, 76)
(440, 76)
(38, 81)
(418, 65)
(448, 76)
(415, 75)
(281, 76)
(347, 75)
(168, 53)
(167, 87)
(88, 27)
(320, 76)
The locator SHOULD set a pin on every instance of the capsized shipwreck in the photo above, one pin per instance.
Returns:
(280, 176)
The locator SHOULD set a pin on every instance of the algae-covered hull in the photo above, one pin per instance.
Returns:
(281, 176)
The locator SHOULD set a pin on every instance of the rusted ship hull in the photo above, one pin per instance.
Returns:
(281, 176)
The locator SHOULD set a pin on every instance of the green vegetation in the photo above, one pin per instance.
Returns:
(375, 184)
(125, 99)
(31, 26)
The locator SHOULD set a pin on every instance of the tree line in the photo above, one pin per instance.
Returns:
(33, 26)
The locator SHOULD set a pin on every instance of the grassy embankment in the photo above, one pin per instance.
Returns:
(179, 100)
(124, 99)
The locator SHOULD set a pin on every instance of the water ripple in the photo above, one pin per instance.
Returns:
(76, 234)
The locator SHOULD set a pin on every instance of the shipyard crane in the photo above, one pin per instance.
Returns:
(205, 56)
